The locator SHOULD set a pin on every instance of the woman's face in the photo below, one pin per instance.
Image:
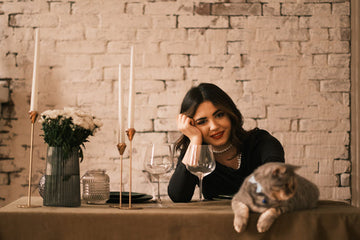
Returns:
(214, 124)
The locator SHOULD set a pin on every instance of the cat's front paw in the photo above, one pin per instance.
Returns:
(266, 219)
(241, 215)
(240, 223)
(263, 226)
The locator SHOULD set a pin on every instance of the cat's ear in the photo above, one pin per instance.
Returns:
(281, 169)
(292, 167)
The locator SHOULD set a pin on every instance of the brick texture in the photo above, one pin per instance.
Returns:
(284, 63)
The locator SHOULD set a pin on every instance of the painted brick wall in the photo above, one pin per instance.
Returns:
(284, 62)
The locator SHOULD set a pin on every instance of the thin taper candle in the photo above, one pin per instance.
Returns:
(131, 91)
(121, 134)
(34, 87)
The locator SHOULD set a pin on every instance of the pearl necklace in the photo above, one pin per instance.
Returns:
(222, 150)
(239, 161)
(227, 149)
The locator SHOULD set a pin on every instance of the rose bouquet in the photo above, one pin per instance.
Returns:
(68, 128)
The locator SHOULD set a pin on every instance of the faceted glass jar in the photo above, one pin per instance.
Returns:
(95, 187)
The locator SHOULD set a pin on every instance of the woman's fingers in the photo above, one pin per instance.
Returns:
(184, 121)
(187, 126)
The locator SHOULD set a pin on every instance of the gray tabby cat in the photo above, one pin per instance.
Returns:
(272, 189)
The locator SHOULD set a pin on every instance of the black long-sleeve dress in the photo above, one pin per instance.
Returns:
(259, 147)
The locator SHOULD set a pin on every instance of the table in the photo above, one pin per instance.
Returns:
(207, 220)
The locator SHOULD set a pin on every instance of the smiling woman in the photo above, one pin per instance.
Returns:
(209, 116)
(213, 123)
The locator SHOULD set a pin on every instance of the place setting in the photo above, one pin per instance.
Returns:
(136, 197)
(158, 159)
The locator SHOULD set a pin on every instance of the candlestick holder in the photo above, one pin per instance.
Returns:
(130, 133)
(33, 116)
(121, 147)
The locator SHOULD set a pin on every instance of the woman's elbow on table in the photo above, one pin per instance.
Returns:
(177, 196)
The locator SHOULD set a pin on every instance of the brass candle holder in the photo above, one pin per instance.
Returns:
(130, 133)
(121, 147)
(33, 116)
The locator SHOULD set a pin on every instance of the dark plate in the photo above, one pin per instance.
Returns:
(224, 197)
(134, 195)
(140, 199)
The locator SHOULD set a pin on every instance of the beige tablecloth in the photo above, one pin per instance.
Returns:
(208, 220)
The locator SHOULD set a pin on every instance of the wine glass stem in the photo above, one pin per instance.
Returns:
(200, 186)
(158, 188)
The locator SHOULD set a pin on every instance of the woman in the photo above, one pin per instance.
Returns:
(209, 116)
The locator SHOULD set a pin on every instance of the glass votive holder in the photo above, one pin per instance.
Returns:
(95, 187)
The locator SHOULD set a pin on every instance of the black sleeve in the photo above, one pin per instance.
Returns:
(261, 147)
(270, 149)
(182, 184)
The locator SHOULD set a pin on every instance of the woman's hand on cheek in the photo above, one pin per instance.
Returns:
(186, 125)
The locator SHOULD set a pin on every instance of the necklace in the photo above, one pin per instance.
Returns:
(222, 150)
(239, 160)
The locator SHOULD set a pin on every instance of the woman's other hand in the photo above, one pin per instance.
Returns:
(186, 125)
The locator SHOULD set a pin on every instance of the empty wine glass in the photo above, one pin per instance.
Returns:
(158, 161)
(201, 162)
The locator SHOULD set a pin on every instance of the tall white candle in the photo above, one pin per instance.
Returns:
(34, 87)
(121, 109)
(131, 91)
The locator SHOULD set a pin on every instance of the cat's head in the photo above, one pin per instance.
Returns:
(275, 181)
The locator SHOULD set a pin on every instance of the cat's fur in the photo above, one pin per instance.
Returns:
(272, 189)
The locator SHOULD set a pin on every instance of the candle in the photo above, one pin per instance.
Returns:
(34, 87)
(121, 109)
(131, 91)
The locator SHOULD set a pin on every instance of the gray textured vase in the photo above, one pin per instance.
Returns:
(62, 178)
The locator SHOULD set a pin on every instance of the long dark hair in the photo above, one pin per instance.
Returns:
(210, 92)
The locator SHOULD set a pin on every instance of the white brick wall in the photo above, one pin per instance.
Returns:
(284, 63)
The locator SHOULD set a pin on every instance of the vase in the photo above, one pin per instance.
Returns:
(62, 177)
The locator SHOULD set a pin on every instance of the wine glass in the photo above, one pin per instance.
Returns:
(158, 161)
(201, 162)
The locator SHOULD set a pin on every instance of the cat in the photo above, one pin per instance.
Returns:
(272, 189)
